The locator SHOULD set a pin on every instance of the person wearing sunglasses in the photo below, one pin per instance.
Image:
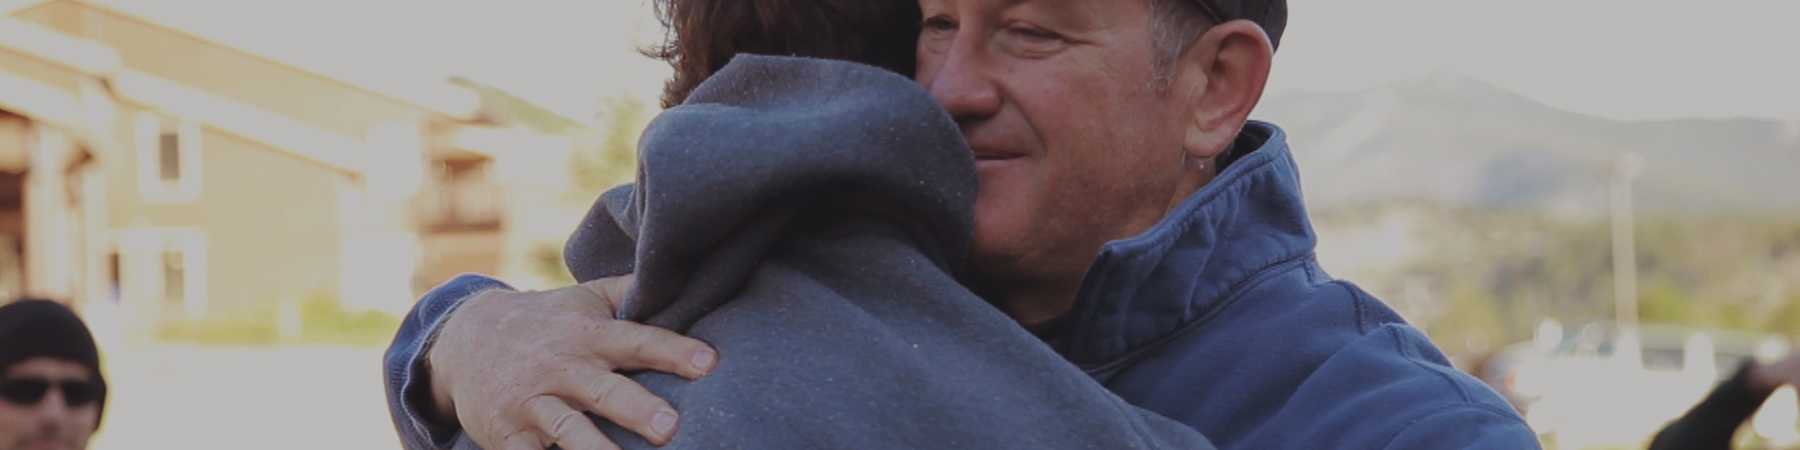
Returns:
(51, 391)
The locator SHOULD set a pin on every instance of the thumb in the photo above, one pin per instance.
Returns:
(611, 291)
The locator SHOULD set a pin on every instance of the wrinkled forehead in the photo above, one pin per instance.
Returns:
(1075, 14)
(1062, 5)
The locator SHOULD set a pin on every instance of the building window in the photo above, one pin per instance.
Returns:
(175, 281)
(161, 268)
(168, 159)
(114, 284)
(462, 196)
(168, 151)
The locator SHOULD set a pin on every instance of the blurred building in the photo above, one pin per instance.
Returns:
(177, 176)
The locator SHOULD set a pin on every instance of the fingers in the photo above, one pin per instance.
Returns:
(632, 346)
(623, 401)
(561, 425)
(521, 367)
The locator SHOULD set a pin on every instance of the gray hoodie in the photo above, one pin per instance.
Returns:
(804, 217)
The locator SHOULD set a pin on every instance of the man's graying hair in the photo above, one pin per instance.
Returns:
(1175, 26)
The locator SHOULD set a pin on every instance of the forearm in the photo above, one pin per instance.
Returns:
(1712, 422)
(409, 395)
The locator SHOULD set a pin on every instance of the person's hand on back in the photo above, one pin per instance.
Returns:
(517, 369)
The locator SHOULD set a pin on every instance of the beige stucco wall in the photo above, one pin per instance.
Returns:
(270, 218)
(252, 80)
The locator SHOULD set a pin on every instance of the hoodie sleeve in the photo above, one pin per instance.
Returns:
(406, 379)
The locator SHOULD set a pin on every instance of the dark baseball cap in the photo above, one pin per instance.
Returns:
(1271, 14)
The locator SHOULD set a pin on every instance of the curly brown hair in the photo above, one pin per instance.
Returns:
(703, 35)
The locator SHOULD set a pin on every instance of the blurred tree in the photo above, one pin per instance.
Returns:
(1498, 272)
(609, 157)
(1786, 318)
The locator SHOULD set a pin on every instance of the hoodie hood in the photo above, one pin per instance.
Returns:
(721, 175)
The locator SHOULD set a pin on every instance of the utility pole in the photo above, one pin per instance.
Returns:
(1625, 168)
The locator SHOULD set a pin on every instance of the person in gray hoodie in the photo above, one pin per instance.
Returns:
(805, 217)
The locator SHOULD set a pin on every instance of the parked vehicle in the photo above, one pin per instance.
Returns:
(1598, 383)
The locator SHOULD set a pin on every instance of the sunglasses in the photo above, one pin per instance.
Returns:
(30, 391)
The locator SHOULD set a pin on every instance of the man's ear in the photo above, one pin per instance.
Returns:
(1221, 78)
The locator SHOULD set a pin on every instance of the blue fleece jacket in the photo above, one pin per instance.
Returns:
(1219, 317)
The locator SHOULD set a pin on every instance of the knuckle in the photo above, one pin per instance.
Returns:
(520, 440)
(605, 389)
(640, 337)
(621, 340)
(566, 424)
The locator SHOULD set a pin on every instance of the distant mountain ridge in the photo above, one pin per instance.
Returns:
(1457, 142)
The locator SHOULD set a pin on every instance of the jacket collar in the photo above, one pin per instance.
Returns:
(1145, 288)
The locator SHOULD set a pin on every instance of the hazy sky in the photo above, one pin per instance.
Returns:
(1624, 59)
(1627, 59)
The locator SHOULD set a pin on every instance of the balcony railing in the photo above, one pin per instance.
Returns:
(460, 207)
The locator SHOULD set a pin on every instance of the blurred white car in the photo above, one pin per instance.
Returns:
(1599, 384)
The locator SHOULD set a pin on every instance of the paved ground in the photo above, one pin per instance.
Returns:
(198, 398)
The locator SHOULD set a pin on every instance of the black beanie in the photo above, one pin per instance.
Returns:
(32, 328)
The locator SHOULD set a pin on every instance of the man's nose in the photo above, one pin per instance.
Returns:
(52, 406)
(962, 81)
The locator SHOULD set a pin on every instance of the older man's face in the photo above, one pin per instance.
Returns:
(1074, 143)
(46, 419)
